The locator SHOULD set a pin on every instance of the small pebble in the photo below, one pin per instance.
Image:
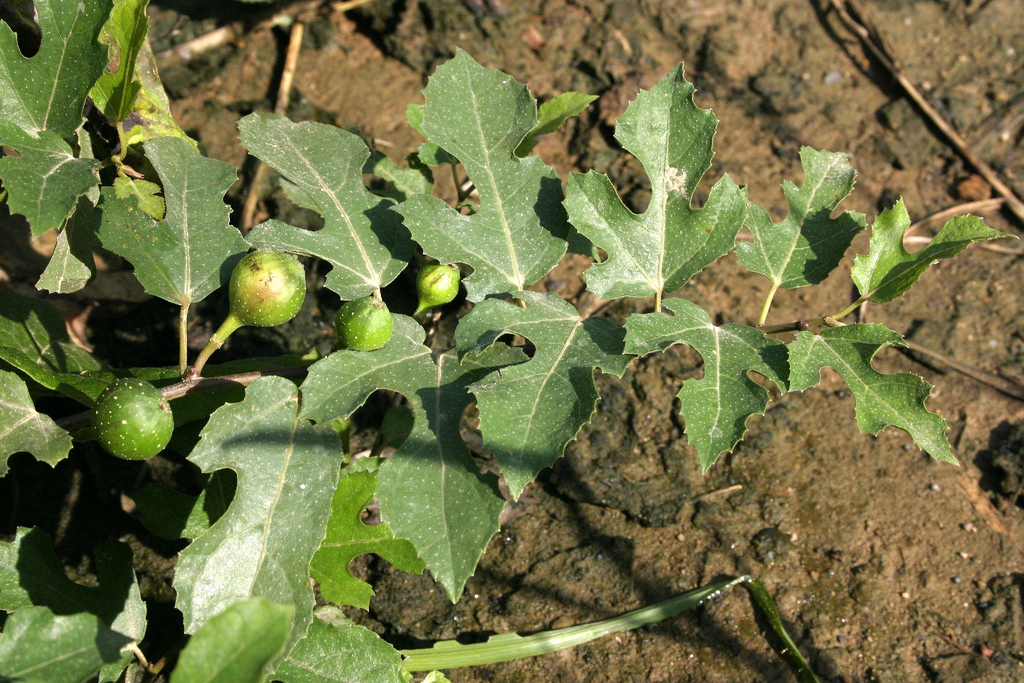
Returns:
(956, 579)
(833, 77)
(933, 486)
(840, 639)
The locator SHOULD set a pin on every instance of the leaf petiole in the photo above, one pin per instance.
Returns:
(767, 304)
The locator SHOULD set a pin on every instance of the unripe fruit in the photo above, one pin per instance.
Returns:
(364, 324)
(436, 285)
(267, 288)
(132, 420)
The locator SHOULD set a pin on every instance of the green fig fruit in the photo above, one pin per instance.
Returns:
(132, 420)
(436, 285)
(364, 324)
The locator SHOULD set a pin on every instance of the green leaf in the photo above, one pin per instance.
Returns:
(238, 645)
(261, 547)
(431, 490)
(47, 91)
(348, 538)
(518, 233)
(805, 247)
(31, 574)
(415, 179)
(145, 194)
(364, 242)
(34, 340)
(72, 264)
(24, 429)
(530, 412)
(191, 252)
(552, 115)
(38, 647)
(887, 270)
(125, 31)
(662, 248)
(882, 400)
(45, 180)
(427, 153)
(337, 650)
(717, 406)
(171, 514)
(130, 622)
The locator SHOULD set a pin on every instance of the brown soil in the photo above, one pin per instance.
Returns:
(885, 564)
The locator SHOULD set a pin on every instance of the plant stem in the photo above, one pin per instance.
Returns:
(798, 325)
(506, 647)
(767, 304)
(657, 301)
(230, 324)
(183, 339)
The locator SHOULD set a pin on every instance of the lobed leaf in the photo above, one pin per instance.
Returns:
(531, 411)
(662, 248)
(808, 245)
(335, 649)
(191, 252)
(882, 400)
(125, 31)
(348, 538)
(238, 645)
(365, 243)
(37, 645)
(717, 406)
(72, 264)
(887, 270)
(519, 232)
(286, 471)
(44, 180)
(46, 92)
(23, 429)
(431, 490)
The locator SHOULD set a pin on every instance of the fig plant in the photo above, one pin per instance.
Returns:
(243, 575)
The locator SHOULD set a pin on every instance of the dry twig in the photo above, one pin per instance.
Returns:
(872, 39)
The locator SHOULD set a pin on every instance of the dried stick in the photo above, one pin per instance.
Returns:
(871, 38)
(284, 90)
(958, 210)
(1000, 384)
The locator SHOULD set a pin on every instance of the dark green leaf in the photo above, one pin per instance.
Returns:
(191, 252)
(287, 472)
(805, 247)
(38, 647)
(22, 429)
(662, 248)
(530, 412)
(47, 91)
(338, 651)
(518, 233)
(365, 243)
(882, 400)
(717, 406)
(171, 514)
(72, 264)
(238, 645)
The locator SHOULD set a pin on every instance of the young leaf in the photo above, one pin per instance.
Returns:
(72, 264)
(348, 538)
(530, 412)
(236, 646)
(365, 243)
(144, 193)
(45, 180)
(189, 254)
(415, 179)
(717, 406)
(661, 249)
(518, 233)
(552, 115)
(887, 270)
(431, 490)
(805, 247)
(47, 91)
(36, 645)
(882, 400)
(335, 649)
(31, 574)
(24, 429)
(151, 118)
(115, 92)
(262, 546)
